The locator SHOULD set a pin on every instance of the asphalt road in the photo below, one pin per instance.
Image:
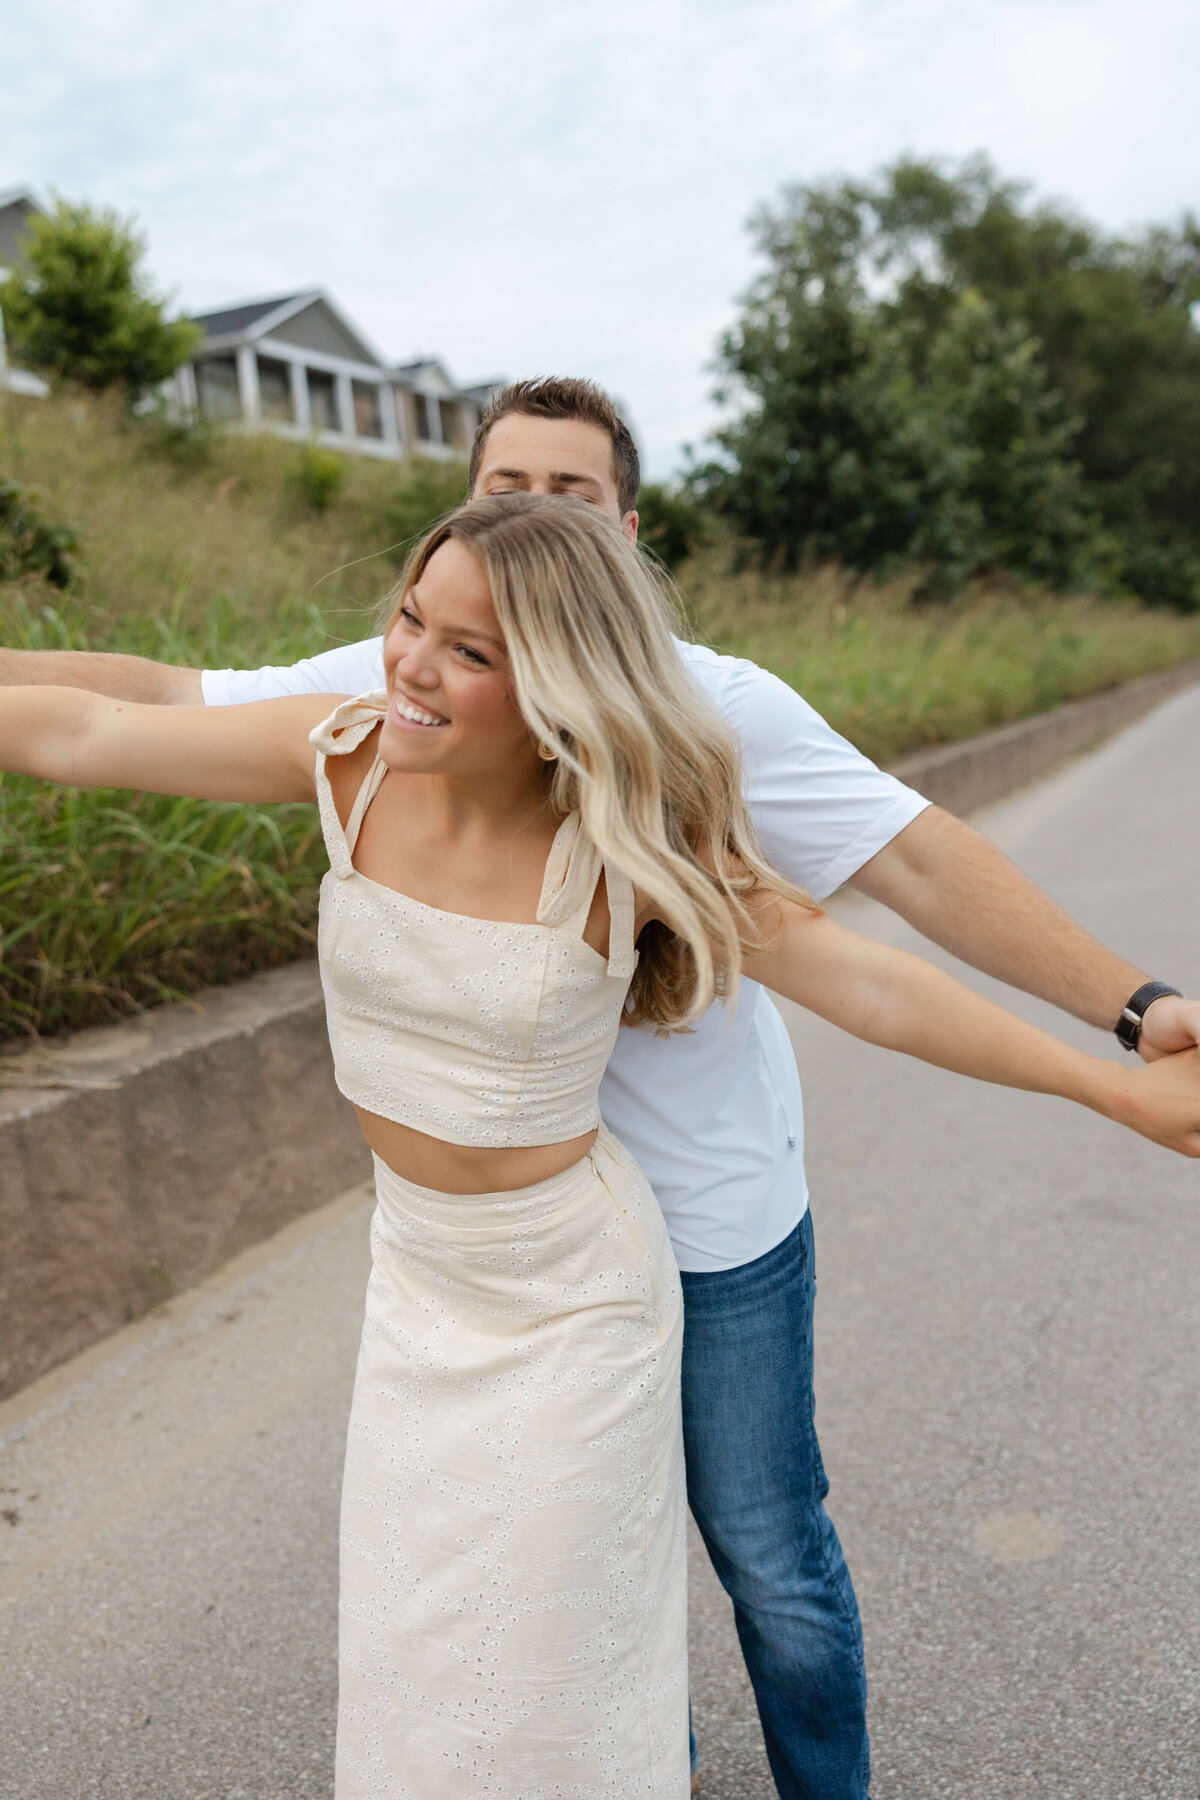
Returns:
(1007, 1391)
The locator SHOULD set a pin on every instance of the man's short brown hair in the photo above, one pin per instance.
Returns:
(565, 397)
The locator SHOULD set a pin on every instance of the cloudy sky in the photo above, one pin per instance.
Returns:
(523, 187)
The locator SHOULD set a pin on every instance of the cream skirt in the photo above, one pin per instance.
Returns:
(513, 1599)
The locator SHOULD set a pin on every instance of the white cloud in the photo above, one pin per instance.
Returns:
(527, 187)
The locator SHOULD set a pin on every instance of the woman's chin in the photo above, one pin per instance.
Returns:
(412, 746)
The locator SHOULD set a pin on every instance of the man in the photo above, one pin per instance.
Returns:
(714, 1116)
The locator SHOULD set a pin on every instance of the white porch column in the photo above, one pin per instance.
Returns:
(433, 414)
(399, 411)
(300, 408)
(247, 372)
(387, 418)
(345, 404)
(187, 396)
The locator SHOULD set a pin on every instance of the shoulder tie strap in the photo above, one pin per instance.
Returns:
(622, 950)
(572, 871)
(339, 734)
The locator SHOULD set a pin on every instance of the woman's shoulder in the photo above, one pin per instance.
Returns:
(340, 731)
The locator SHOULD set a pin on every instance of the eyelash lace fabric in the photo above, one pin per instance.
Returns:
(480, 1033)
(513, 1550)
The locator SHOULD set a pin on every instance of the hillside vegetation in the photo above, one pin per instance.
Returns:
(231, 550)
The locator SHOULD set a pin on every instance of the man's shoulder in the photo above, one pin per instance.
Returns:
(717, 673)
(751, 697)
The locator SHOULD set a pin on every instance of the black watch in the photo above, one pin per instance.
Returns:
(1129, 1026)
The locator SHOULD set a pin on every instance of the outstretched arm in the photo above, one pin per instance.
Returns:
(102, 672)
(249, 753)
(955, 887)
(887, 997)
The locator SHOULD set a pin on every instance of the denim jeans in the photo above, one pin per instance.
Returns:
(756, 1487)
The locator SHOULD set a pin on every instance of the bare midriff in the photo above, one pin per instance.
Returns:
(462, 1168)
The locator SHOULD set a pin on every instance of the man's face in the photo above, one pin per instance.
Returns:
(552, 456)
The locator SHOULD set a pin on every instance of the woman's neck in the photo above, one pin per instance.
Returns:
(498, 801)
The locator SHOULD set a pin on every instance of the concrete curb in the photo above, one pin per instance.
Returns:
(138, 1158)
(963, 777)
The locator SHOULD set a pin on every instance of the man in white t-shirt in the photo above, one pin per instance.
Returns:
(714, 1116)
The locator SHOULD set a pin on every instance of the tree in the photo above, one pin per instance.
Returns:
(79, 306)
(1116, 323)
(1035, 380)
(880, 437)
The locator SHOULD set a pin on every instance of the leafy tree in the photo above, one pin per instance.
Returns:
(933, 368)
(1116, 322)
(878, 437)
(79, 307)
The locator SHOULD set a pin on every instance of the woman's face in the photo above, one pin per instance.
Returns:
(452, 707)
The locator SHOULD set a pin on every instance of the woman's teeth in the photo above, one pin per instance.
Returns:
(415, 716)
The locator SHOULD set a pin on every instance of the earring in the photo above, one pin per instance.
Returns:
(546, 753)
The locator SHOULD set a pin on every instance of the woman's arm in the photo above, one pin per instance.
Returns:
(251, 753)
(887, 997)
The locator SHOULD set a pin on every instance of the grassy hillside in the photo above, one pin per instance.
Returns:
(242, 551)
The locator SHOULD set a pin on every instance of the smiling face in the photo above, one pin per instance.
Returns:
(552, 456)
(453, 710)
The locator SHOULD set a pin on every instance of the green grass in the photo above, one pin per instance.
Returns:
(894, 676)
(213, 554)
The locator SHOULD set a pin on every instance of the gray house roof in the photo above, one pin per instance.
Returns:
(229, 320)
(309, 320)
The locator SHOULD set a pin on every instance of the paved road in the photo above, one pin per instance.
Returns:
(1008, 1391)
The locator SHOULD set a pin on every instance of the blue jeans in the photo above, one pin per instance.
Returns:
(756, 1487)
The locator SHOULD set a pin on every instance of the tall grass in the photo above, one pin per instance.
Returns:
(894, 676)
(218, 553)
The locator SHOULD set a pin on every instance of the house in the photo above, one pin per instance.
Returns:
(17, 207)
(298, 367)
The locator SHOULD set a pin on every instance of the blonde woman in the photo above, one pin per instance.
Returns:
(535, 833)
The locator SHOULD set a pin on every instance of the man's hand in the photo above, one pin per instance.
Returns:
(1168, 1025)
(120, 677)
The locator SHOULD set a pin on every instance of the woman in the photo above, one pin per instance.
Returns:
(538, 790)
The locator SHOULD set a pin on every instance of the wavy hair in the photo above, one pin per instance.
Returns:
(653, 768)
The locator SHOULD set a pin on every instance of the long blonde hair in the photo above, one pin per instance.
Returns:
(653, 768)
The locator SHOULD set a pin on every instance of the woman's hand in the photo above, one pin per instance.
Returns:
(1161, 1100)
(899, 1002)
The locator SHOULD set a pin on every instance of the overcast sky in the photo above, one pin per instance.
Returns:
(522, 188)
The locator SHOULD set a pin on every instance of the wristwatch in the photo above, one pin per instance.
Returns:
(1129, 1026)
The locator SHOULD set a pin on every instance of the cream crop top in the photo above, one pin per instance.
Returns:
(478, 1033)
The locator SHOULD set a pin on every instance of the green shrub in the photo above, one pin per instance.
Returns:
(316, 478)
(419, 493)
(29, 544)
(670, 523)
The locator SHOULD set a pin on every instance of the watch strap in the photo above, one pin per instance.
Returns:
(1129, 1026)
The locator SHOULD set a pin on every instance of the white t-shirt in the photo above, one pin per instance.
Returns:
(713, 1115)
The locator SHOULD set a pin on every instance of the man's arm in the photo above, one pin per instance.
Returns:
(826, 816)
(120, 677)
(348, 669)
(956, 888)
